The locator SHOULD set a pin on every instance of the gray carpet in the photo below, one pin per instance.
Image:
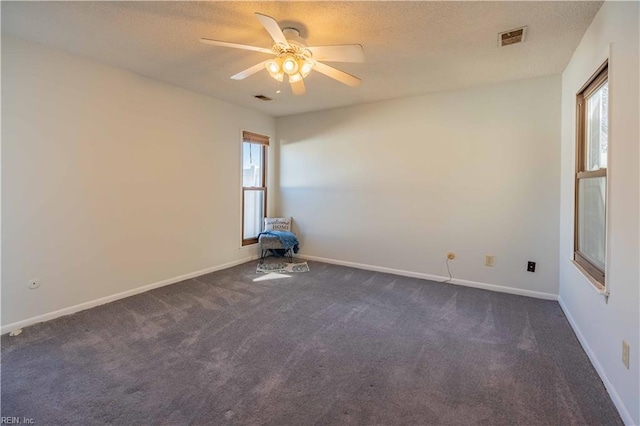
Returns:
(332, 346)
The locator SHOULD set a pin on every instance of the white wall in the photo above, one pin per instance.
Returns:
(602, 326)
(398, 184)
(110, 180)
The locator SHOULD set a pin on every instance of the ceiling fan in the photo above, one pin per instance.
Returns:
(294, 58)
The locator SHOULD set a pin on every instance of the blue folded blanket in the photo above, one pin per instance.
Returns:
(287, 239)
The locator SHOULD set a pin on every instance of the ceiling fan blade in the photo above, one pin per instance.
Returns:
(298, 88)
(250, 71)
(336, 74)
(236, 45)
(338, 53)
(272, 27)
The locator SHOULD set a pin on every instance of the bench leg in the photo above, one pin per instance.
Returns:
(263, 255)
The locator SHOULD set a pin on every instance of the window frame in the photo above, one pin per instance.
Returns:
(257, 139)
(596, 81)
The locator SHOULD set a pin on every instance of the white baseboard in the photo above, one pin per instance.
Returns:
(101, 301)
(617, 401)
(466, 283)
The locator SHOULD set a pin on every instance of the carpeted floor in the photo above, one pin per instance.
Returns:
(332, 346)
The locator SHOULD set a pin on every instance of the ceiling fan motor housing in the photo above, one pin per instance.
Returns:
(297, 46)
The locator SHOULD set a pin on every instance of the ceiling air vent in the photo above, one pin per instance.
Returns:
(512, 36)
(263, 98)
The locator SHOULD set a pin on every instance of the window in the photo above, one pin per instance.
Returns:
(592, 135)
(254, 185)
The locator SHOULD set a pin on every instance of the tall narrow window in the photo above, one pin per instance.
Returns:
(591, 175)
(254, 185)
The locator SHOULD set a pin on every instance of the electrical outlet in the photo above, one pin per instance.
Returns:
(451, 255)
(531, 266)
(625, 353)
(33, 284)
(489, 260)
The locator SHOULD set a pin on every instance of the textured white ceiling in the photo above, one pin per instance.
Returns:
(410, 48)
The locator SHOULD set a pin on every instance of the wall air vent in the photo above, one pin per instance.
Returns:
(512, 36)
(263, 98)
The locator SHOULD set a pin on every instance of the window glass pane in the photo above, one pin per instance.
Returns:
(591, 219)
(597, 128)
(253, 213)
(251, 164)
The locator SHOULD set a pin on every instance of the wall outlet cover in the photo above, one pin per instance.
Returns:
(531, 266)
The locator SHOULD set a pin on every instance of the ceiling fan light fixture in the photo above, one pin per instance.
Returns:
(274, 68)
(305, 67)
(294, 78)
(290, 65)
(279, 76)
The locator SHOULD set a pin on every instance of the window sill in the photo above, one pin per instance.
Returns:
(597, 287)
